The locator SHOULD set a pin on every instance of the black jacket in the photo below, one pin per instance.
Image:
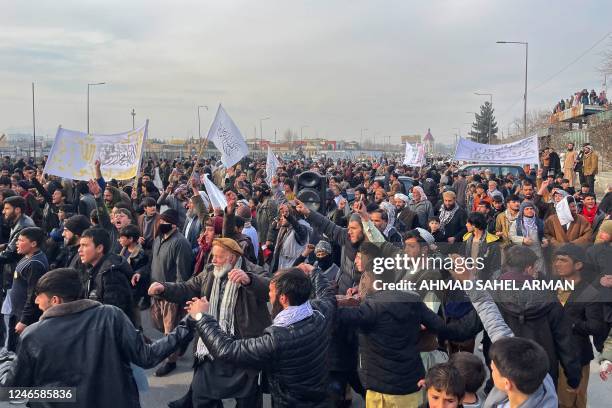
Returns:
(584, 312)
(294, 357)
(389, 329)
(539, 316)
(109, 282)
(89, 346)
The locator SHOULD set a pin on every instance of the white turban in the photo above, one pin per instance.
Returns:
(402, 197)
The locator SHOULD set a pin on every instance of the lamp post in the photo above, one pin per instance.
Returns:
(89, 86)
(457, 136)
(133, 113)
(301, 132)
(199, 122)
(490, 116)
(361, 140)
(34, 124)
(526, 44)
(261, 131)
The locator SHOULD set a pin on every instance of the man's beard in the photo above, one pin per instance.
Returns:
(222, 270)
(449, 208)
(276, 307)
(569, 149)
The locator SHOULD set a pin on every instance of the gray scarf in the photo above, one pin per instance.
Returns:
(225, 314)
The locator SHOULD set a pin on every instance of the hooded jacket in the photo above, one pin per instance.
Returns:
(539, 316)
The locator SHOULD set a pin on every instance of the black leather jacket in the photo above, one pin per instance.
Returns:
(109, 283)
(295, 358)
(89, 346)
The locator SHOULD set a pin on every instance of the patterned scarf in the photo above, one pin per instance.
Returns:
(225, 314)
(447, 215)
(293, 314)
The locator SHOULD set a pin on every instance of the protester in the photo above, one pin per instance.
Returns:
(172, 262)
(238, 293)
(83, 344)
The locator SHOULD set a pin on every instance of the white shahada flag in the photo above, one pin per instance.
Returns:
(524, 151)
(414, 156)
(216, 196)
(271, 165)
(227, 138)
(74, 154)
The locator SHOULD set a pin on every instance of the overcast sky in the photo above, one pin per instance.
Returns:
(393, 67)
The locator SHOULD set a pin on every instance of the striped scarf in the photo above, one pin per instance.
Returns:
(225, 314)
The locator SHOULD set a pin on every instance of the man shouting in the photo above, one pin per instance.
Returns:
(238, 296)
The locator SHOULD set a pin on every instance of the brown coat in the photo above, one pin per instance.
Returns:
(579, 232)
(589, 164)
(251, 312)
(155, 225)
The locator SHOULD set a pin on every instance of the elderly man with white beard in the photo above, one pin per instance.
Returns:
(238, 294)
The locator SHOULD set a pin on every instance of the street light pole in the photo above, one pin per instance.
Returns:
(34, 124)
(490, 116)
(199, 122)
(89, 86)
(361, 141)
(261, 131)
(133, 118)
(301, 132)
(526, 44)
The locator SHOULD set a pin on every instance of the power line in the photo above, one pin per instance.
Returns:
(574, 61)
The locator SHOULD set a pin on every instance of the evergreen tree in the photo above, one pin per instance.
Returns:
(484, 125)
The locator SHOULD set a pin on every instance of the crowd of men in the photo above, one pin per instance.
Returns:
(281, 297)
(582, 97)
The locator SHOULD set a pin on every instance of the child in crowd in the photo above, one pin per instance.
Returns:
(472, 370)
(445, 387)
(434, 228)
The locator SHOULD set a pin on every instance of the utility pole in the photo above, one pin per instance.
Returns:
(34, 124)
(133, 118)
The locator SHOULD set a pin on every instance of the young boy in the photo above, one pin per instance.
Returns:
(30, 268)
(434, 228)
(445, 387)
(472, 370)
(136, 257)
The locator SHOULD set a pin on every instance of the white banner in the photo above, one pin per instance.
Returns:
(524, 151)
(414, 156)
(227, 138)
(271, 165)
(216, 196)
(74, 154)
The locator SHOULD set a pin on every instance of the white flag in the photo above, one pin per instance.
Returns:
(271, 165)
(74, 153)
(524, 151)
(227, 138)
(414, 157)
(216, 196)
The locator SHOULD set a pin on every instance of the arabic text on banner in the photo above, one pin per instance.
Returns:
(227, 138)
(74, 154)
(524, 151)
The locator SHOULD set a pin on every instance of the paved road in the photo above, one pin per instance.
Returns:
(165, 389)
(174, 386)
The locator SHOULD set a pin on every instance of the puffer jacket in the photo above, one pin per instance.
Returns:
(294, 357)
(76, 344)
(389, 330)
